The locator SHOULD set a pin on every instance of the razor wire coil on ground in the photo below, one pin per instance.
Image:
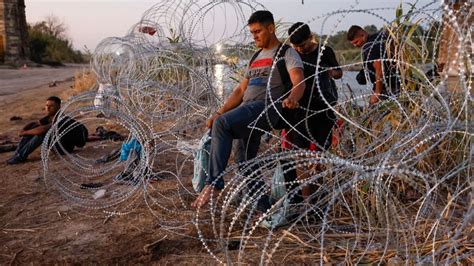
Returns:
(163, 86)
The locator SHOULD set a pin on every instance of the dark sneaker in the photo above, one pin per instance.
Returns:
(15, 160)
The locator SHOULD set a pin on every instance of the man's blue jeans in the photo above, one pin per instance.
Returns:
(240, 123)
(27, 145)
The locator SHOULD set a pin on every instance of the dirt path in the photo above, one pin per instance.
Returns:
(16, 80)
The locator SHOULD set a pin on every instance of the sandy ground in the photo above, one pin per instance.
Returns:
(38, 226)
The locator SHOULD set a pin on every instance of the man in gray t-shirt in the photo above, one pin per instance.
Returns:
(243, 109)
(258, 74)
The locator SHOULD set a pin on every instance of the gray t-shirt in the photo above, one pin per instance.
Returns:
(259, 72)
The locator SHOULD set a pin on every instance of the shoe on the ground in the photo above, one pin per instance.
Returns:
(15, 160)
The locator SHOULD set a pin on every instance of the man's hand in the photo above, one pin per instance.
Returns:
(440, 67)
(210, 121)
(204, 197)
(21, 133)
(335, 73)
(374, 98)
(290, 103)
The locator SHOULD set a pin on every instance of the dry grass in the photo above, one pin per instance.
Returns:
(84, 80)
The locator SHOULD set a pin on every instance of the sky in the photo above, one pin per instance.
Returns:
(90, 21)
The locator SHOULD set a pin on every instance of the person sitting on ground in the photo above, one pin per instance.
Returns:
(244, 107)
(34, 133)
(382, 73)
(315, 121)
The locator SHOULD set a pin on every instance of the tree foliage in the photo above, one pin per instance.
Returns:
(49, 43)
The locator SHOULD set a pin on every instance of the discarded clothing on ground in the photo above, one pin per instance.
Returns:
(127, 148)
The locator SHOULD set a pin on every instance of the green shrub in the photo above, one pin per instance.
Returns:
(47, 48)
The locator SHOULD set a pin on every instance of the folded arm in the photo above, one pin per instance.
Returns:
(40, 130)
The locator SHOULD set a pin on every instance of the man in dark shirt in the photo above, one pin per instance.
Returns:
(73, 134)
(381, 72)
(315, 120)
(34, 133)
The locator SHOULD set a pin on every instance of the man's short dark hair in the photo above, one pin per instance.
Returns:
(299, 33)
(55, 99)
(261, 16)
(353, 31)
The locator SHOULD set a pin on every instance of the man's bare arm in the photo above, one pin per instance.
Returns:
(378, 82)
(378, 76)
(297, 78)
(234, 100)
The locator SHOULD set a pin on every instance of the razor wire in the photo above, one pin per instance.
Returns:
(175, 67)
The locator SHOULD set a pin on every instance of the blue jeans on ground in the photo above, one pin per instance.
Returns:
(27, 145)
(235, 125)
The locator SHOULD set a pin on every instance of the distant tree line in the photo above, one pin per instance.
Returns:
(50, 45)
